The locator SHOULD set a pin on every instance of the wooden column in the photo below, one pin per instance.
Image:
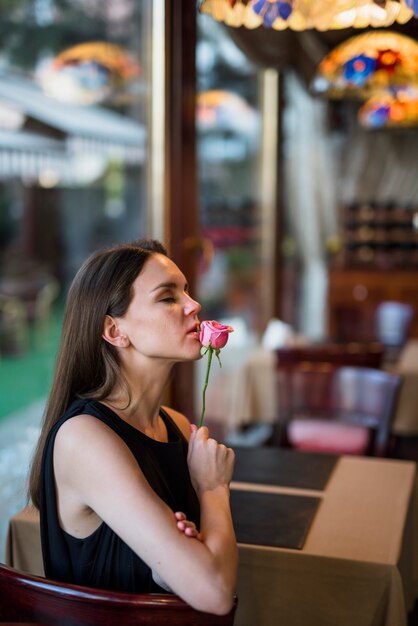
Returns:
(182, 224)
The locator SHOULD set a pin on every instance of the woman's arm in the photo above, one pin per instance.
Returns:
(211, 476)
(211, 466)
(105, 478)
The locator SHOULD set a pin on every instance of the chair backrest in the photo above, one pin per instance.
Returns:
(32, 599)
(393, 322)
(336, 354)
(359, 396)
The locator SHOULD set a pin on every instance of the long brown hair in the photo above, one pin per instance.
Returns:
(88, 366)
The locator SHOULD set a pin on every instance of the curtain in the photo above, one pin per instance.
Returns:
(310, 196)
(327, 167)
(379, 165)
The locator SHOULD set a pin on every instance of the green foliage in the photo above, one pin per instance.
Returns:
(25, 378)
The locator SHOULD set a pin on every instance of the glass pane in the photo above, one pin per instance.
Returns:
(229, 147)
(73, 143)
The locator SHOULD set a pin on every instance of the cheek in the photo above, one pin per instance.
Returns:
(155, 333)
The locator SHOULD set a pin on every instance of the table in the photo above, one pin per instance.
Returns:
(254, 394)
(358, 565)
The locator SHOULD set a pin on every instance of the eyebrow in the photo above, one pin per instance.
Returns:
(169, 285)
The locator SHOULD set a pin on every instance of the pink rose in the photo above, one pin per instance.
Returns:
(213, 334)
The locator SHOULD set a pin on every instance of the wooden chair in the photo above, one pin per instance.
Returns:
(388, 322)
(353, 353)
(341, 410)
(36, 600)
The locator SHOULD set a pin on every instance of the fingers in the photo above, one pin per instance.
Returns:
(185, 526)
(197, 437)
(202, 433)
(189, 528)
(210, 463)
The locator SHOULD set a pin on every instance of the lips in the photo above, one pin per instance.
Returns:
(194, 331)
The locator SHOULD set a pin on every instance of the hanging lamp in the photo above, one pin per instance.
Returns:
(301, 15)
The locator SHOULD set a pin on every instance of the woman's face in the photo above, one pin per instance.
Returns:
(162, 318)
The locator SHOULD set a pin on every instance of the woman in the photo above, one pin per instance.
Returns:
(113, 469)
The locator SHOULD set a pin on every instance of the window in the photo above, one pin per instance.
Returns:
(74, 90)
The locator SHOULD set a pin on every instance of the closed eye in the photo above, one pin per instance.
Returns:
(168, 299)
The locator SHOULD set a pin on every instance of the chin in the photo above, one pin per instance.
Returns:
(192, 355)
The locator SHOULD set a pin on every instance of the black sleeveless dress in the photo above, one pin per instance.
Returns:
(102, 560)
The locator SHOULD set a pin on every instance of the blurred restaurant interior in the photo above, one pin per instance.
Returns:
(272, 146)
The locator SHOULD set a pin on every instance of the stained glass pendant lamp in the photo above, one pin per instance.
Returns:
(89, 73)
(379, 67)
(300, 15)
(390, 108)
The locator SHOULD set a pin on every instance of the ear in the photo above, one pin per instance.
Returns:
(113, 334)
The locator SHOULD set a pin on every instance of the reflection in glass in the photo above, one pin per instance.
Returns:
(73, 147)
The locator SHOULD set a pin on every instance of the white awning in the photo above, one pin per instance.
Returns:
(85, 131)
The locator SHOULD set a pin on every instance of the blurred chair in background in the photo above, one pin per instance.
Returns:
(369, 354)
(389, 323)
(335, 409)
(393, 323)
(256, 398)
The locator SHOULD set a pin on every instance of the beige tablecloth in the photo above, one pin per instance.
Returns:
(23, 542)
(358, 567)
(359, 564)
(254, 397)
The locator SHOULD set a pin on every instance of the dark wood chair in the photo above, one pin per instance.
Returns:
(388, 322)
(336, 409)
(359, 354)
(34, 600)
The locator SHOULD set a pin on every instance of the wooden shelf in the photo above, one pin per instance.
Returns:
(379, 236)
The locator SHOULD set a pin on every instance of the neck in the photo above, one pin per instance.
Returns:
(141, 408)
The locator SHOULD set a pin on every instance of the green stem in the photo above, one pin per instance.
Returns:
(210, 354)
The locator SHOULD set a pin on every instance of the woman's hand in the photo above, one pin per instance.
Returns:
(187, 527)
(211, 464)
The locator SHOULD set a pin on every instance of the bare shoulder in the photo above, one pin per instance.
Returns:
(79, 426)
(82, 445)
(78, 433)
(181, 421)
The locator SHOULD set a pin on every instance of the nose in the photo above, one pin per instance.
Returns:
(191, 307)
